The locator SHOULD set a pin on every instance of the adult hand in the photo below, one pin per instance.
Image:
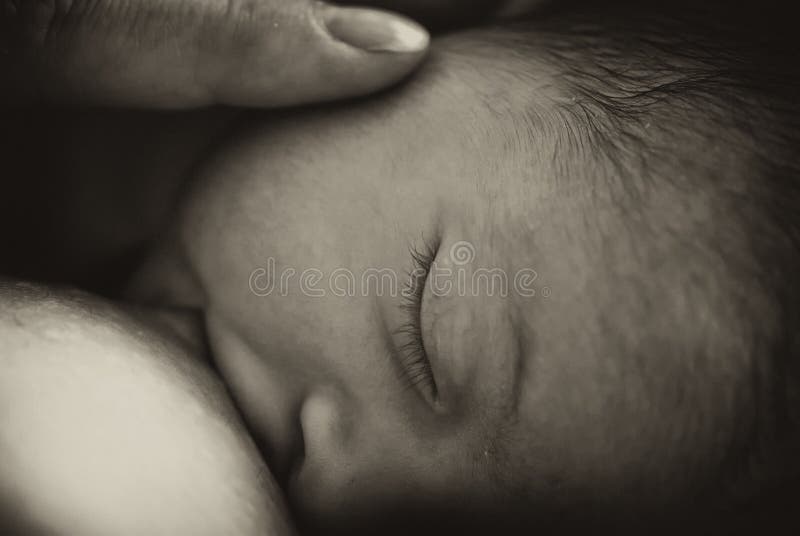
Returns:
(189, 53)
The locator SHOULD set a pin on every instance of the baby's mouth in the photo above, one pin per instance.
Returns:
(187, 327)
(173, 301)
(284, 466)
(268, 403)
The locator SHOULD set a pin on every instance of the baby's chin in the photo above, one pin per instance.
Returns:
(115, 426)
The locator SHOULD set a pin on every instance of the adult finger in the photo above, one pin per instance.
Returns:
(177, 53)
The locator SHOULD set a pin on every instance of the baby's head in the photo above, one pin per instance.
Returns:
(551, 276)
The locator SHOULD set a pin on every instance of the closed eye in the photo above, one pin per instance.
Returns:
(414, 359)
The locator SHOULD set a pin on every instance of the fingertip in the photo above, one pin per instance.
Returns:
(356, 52)
(320, 53)
(373, 30)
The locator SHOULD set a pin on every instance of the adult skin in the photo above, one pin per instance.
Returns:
(170, 54)
(113, 423)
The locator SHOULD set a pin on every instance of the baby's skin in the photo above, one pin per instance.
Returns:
(441, 304)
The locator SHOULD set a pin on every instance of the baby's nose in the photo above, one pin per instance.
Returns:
(326, 425)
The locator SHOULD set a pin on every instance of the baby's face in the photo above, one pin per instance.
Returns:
(513, 375)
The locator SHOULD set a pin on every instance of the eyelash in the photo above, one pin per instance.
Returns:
(414, 359)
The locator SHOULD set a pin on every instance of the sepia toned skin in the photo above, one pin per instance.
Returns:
(614, 390)
(113, 423)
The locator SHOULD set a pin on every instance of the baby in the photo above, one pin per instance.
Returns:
(639, 367)
(548, 282)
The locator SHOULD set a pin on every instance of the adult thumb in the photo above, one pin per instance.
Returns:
(177, 54)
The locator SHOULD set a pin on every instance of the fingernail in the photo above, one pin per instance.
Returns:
(373, 30)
